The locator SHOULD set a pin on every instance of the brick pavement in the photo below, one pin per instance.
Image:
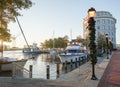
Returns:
(111, 75)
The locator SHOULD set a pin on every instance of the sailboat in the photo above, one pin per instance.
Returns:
(5, 59)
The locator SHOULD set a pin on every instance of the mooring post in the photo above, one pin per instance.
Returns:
(76, 62)
(58, 72)
(71, 64)
(30, 69)
(82, 60)
(48, 72)
(79, 61)
(66, 66)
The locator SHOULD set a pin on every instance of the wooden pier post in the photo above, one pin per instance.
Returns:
(82, 60)
(58, 71)
(48, 72)
(71, 64)
(30, 69)
(76, 62)
(79, 61)
(66, 66)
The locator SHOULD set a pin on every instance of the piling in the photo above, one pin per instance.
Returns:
(58, 71)
(30, 68)
(48, 72)
(76, 62)
(79, 61)
(66, 66)
(71, 64)
(82, 60)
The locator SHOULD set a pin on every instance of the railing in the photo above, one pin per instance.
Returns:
(20, 71)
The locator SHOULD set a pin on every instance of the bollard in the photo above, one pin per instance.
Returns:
(66, 66)
(58, 72)
(0, 67)
(30, 69)
(71, 64)
(48, 72)
(82, 60)
(79, 61)
(76, 62)
(87, 58)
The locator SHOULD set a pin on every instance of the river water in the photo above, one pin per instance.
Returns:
(39, 63)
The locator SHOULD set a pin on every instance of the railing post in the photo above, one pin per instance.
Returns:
(30, 73)
(48, 72)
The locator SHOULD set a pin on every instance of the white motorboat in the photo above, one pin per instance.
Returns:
(32, 49)
(73, 51)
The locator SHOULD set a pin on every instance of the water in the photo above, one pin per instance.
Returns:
(39, 63)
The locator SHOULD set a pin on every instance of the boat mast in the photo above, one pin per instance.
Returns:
(71, 35)
(53, 40)
(22, 31)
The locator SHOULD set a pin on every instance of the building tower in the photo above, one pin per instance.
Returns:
(105, 24)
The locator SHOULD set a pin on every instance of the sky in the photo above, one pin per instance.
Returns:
(60, 17)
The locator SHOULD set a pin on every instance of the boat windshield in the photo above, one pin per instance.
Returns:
(74, 51)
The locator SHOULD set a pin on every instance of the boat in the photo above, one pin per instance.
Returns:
(32, 49)
(73, 51)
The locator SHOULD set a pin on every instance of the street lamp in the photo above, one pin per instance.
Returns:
(106, 36)
(92, 44)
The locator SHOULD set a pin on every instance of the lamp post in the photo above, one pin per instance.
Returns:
(92, 44)
(106, 36)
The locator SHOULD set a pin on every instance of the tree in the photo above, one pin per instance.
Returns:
(100, 43)
(60, 42)
(9, 9)
(79, 39)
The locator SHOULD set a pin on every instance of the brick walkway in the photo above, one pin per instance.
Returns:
(111, 76)
(20, 82)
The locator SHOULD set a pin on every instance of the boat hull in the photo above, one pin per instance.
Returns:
(72, 58)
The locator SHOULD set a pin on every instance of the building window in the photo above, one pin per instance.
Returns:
(98, 21)
(111, 22)
(98, 27)
(104, 27)
(103, 21)
(112, 33)
(108, 21)
(108, 27)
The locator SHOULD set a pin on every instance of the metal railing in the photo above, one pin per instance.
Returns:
(20, 71)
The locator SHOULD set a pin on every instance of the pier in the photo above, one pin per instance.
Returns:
(79, 77)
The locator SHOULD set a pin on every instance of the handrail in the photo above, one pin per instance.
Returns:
(21, 67)
(18, 71)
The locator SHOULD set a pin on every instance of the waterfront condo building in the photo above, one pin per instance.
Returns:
(105, 24)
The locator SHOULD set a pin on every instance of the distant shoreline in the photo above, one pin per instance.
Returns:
(13, 49)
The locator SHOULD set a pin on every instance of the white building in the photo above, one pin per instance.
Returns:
(105, 24)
